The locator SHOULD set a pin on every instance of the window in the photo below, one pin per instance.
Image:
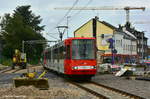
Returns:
(61, 52)
(83, 49)
(121, 43)
(124, 47)
(68, 52)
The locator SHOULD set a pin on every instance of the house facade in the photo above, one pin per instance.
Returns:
(124, 43)
(96, 28)
(142, 46)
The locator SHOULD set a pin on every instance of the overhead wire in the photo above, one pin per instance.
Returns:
(82, 9)
(52, 36)
(65, 15)
(74, 4)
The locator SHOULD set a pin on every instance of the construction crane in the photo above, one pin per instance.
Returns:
(127, 9)
(141, 22)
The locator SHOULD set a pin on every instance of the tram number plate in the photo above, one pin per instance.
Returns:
(84, 67)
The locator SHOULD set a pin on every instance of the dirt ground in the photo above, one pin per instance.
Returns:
(58, 88)
(31, 92)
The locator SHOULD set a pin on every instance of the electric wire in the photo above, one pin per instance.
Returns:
(77, 13)
(74, 4)
(52, 36)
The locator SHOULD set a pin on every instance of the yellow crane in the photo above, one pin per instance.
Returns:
(127, 9)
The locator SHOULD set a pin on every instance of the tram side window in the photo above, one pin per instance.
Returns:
(46, 55)
(55, 52)
(61, 52)
(53, 55)
(68, 52)
(49, 55)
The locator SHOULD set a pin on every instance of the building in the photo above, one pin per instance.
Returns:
(142, 46)
(126, 46)
(96, 28)
(124, 42)
(148, 52)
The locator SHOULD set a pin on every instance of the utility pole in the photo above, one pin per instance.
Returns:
(68, 26)
(142, 45)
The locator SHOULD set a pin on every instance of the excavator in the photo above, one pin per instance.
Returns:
(19, 59)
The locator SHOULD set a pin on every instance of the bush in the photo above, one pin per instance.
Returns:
(33, 61)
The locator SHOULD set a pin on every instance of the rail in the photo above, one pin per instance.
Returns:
(89, 90)
(118, 91)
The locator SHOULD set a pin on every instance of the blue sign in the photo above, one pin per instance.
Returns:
(110, 41)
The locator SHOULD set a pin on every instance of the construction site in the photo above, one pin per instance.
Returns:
(75, 49)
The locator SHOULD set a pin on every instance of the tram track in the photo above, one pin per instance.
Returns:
(105, 92)
(100, 96)
(102, 91)
(121, 92)
(10, 70)
(5, 70)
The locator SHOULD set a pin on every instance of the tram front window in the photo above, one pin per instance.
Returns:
(83, 49)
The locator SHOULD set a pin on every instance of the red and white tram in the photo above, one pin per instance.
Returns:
(72, 57)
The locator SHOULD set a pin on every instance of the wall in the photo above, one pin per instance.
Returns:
(85, 31)
(103, 29)
(125, 46)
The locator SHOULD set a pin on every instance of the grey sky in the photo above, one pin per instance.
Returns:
(50, 17)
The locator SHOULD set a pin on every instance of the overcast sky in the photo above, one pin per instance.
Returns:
(45, 8)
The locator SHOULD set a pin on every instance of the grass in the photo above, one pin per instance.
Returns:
(6, 61)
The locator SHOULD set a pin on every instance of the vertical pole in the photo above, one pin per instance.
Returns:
(112, 50)
(127, 15)
(68, 26)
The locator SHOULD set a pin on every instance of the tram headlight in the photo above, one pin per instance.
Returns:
(75, 67)
(93, 67)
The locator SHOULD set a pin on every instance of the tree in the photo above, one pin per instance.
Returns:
(21, 25)
(29, 18)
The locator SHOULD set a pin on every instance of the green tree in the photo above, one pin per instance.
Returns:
(23, 24)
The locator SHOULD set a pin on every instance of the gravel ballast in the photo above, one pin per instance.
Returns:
(59, 88)
(140, 88)
(32, 92)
